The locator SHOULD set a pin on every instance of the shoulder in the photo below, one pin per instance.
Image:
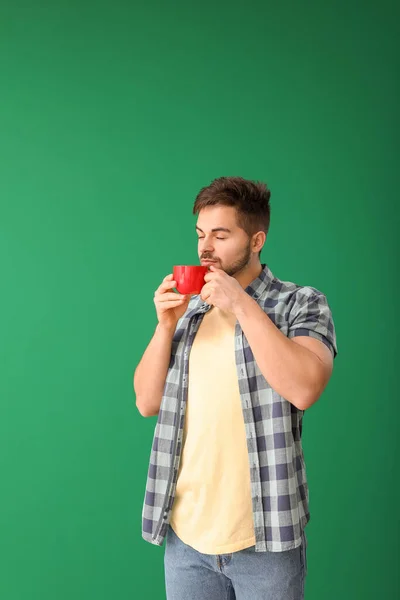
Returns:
(289, 293)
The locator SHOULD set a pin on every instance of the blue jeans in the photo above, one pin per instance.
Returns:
(242, 575)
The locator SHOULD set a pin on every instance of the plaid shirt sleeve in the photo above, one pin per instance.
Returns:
(311, 315)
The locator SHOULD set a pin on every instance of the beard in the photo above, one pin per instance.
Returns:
(240, 263)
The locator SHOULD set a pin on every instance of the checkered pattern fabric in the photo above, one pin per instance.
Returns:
(273, 425)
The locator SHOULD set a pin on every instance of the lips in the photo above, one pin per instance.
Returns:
(206, 261)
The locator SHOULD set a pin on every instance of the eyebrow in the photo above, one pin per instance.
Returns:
(216, 229)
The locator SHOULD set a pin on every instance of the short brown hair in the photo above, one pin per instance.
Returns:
(250, 198)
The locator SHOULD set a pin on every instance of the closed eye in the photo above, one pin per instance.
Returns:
(218, 238)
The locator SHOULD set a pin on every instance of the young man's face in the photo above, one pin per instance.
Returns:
(231, 250)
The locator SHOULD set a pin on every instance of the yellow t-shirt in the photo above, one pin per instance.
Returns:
(212, 510)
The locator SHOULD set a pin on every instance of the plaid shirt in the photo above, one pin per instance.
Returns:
(273, 425)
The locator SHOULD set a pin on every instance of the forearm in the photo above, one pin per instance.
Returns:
(288, 367)
(150, 374)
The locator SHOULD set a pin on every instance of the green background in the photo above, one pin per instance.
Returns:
(112, 117)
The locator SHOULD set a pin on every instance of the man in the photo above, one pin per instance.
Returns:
(230, 373)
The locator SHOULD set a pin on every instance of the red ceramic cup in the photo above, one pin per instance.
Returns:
(189, 278)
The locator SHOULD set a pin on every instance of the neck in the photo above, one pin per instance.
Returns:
(246, 276)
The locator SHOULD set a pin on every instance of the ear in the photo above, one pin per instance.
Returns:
(259, 240)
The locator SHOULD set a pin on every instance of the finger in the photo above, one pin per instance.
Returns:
(168, 285)
(168, 279)
(169, 296)
(171, 304)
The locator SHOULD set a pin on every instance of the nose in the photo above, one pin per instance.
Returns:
(207, 245)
